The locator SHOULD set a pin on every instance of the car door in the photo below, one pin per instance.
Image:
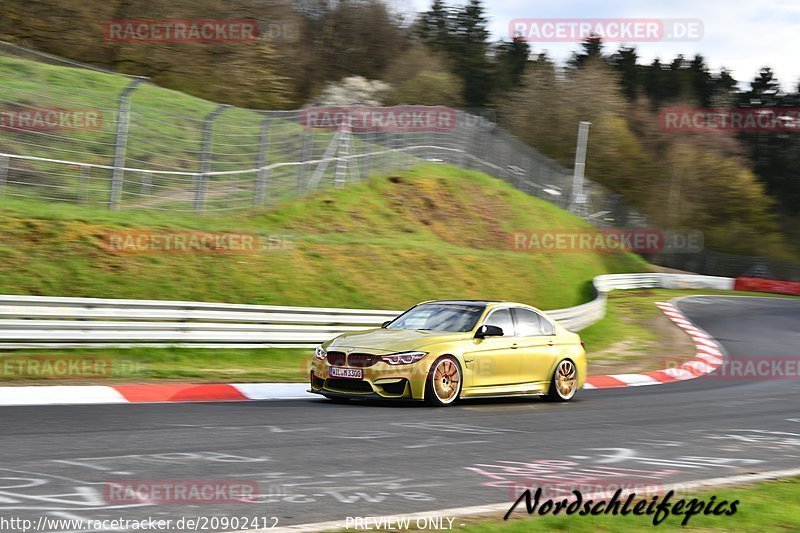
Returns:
(494, 361)
(536, 344)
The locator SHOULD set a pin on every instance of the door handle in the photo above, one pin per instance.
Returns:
(514, 346)
(550, 343)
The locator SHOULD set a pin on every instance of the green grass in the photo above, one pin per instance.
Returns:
(165, 134)
(133, 365)
(767, 507)
(427, 233)
(165, 130)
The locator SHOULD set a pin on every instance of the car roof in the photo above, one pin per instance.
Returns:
(484, 303)
(488, 305)
(461, 302)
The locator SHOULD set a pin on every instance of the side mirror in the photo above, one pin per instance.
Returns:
(488, 331)
(386, 323)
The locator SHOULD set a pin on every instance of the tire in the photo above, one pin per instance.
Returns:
(566, 373)
(441, 389)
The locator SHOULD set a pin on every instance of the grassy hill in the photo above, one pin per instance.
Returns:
(431, 232)
(165, 134)
(165, 130)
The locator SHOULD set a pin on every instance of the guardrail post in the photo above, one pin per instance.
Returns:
(205, 158)
(262, 173)
(121, 143)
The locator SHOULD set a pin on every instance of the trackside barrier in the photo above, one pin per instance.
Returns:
(768, 285)
(56, 322)
(582, 316)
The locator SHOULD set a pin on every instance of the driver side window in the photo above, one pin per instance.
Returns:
(502, 319)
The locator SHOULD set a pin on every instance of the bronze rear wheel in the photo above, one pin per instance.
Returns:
(564, 384)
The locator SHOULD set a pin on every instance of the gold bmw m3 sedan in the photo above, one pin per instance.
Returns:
(445, 350)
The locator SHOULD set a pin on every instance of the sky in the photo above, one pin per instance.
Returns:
(742, 36)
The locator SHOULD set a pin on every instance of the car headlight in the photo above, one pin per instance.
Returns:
(403, 358)
(320, 353)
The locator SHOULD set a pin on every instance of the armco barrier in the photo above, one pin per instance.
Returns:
(768, 285)
(56, 322)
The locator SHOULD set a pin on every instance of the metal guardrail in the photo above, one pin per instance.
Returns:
(584, 315)
(55, 322)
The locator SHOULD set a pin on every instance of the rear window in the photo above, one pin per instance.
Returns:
(530, 323)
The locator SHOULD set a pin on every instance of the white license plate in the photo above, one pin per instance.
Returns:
(347, 373)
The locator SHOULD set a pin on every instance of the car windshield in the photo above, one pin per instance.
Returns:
(439, 317)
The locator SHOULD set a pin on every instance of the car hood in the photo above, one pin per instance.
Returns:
(393, 340)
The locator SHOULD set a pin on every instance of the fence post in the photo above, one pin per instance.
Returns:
(3, 174)
(473, 143)
(486, 142)
(528, 172)
(395, 144)
(463, 137)
(477, 137)
(121, 143)
(368, 154)
(84, 183)
(147, 184)
(262, 173)
(342, 152)
(305, 155)
(577, 198)
(205, 158)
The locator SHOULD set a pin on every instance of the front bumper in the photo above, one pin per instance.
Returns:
(371, 396)
(380, 381)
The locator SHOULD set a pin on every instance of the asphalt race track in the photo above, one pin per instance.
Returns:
(319, 461)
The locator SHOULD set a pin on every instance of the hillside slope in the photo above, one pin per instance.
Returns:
(431, 232)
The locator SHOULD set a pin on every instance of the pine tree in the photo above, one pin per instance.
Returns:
(592, 48)
(624, 61)
(434, 27)
(512, 58)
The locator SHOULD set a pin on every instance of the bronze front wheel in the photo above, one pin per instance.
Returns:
(444, 382)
